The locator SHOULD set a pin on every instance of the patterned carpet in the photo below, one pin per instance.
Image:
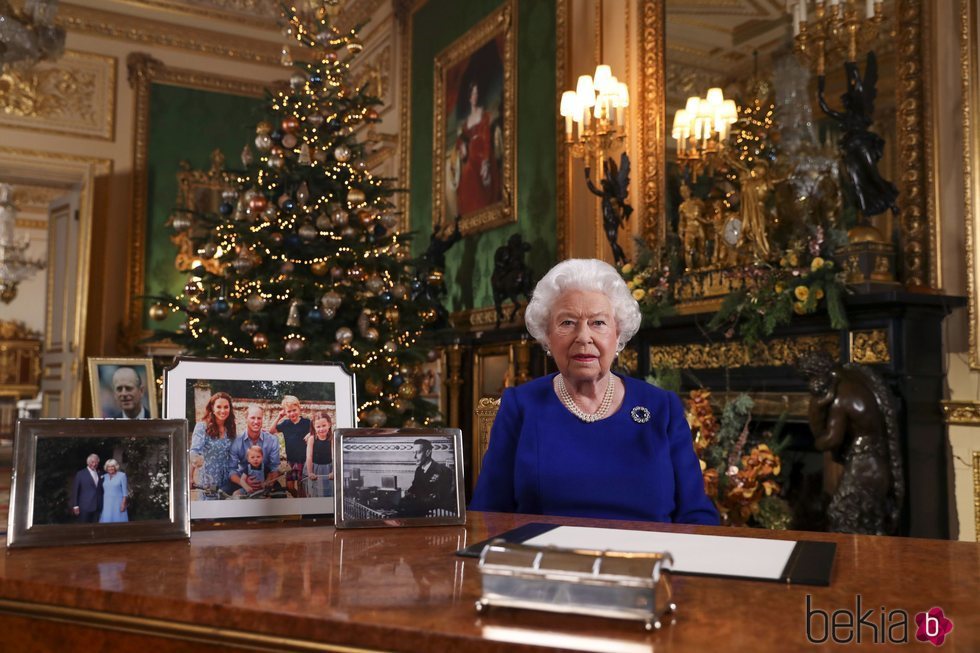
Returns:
(6, 454)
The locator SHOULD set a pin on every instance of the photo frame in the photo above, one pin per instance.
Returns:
(216, 396)
(56, 499)
(391, 477)
(475, 131)
(123, 388)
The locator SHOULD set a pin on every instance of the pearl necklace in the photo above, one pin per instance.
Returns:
(569, 403)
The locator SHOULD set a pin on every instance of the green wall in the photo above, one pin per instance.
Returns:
(469, 263)
(185, 124)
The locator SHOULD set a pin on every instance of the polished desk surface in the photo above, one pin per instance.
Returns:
(316, 588)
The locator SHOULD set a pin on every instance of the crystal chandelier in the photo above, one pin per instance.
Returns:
(14, 266)
(29, 35)
(701, 129)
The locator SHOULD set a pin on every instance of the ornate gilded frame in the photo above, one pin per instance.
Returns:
(144, 71)
(501, 21)
(970, 80)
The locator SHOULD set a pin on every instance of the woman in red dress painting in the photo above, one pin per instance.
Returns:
(479, 176)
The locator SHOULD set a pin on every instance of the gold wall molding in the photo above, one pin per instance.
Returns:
(970, 86)
(143, 71)
(870, 346)
(562, 181)
(404, 17)
(795, 405)
(261, 14)
(356, 12)
(964, 413)
(481, 319)
(976, 493)
(731, 354)
(376, 69)
(27, 223)
(146, 31)
(917, 232)
(652, 107)
(74, 95)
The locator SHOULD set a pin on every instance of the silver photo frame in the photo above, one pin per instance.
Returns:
(137, 490)
(398, 477)
(192, 388)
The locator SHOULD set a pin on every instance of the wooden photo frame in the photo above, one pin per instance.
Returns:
(398, 477)
(255, 399)
(123, 388)
(65, 491)
(475, 130)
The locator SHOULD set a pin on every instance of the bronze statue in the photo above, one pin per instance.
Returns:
(615, 210)
(429, 284)
(692, 223)
(755, 184)
(861, 148)
(511, 276)
(853, 415)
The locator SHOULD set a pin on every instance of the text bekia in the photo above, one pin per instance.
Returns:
(878, 626)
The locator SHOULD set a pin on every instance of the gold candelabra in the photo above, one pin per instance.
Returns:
(595, 114)
(701, 129)
(834, 23)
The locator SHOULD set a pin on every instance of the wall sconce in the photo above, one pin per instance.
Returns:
(701, 129)
(833, 23)
(595, 113)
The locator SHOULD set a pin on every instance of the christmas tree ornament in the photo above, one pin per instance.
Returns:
(323, 222)
(287, 268)
(429, 315)
(337, 273)
(344, 335)
(333, 125)
(320, 155)
(297, 80)
(356, 271)
(315, 119)
(407, 390)
(315, 316)
(389, 220)
(255, 302)
(285, 58)
(276, 162)
(209, 250)
(392, 315)
(366, 217)
(249, 327)
(290, 124)
(293, 320)
(331, 299)
(354, 45)
(260, 340)
(361, 165)
(289, 140)
(304, 155)
(293, 345)
(220, 306)
(350, 232)
(319, 268)
(390, 347)
(242, 264)
(371, 115)
(397, 380)
(315, 79)
(323, 38)
(257, 203)
(373, 387)
(282, 199)
(158, 312)
(339, 217)
(371, 334)
(375, 284)
(375, 418)
(400, 291)
(329, 314)
(276, 136)
(193, 289)
(303, 194)
(336, 349)
(180, 222)
(270, 213)
(307, 232)
(247, 156)
(401, 405)
(226, 208)
(342, 154)
(275, 239)
(263, 143)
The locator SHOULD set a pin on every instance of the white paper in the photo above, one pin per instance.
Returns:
(748, 557)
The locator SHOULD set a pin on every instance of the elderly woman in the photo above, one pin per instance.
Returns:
(586, 442)
(115, 494)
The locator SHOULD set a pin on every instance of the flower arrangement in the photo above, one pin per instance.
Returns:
(744, 486)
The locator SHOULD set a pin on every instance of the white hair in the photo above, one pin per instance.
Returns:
(110, 463)
(590, 275)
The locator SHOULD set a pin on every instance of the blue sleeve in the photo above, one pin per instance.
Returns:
(197, 438)
(495, 487)
(235, 461)
(274, 454)
(691, 504)
(125, 486)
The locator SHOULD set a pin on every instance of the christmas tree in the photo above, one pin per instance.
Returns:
(303, 259)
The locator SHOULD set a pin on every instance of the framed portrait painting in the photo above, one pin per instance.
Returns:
(261, 434)
(473, 152)
(88, 481)
(123, 388)
(399, 477)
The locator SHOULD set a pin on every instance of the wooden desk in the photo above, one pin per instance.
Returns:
(317, 589)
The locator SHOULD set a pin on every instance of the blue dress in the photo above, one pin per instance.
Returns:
(113, 490)
(216, 453)
(543, 460)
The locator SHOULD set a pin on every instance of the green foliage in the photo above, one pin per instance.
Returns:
(666, 378)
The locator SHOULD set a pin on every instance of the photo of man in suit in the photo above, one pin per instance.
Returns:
(128, 390)
(432, 486)
(86, 492)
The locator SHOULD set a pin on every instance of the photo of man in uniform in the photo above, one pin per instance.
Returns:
(432, 486)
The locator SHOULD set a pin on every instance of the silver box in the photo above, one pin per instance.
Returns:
(598, 583)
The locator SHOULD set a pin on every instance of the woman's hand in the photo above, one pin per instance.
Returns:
(313, 477)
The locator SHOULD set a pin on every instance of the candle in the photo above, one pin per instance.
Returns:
(869, 8)
(796, 20)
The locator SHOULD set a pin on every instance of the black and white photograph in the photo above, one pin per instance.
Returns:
(97, 480)
(399, 477)
(123, 388)
(261, 434)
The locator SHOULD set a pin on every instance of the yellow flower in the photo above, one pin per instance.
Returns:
(819, 293)
(828, 264)
(639, 293)
(630, 284)
(798, 308)
(816, 264)
(793, 259)
(780, 288)
(801, 292)
(626, 269)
